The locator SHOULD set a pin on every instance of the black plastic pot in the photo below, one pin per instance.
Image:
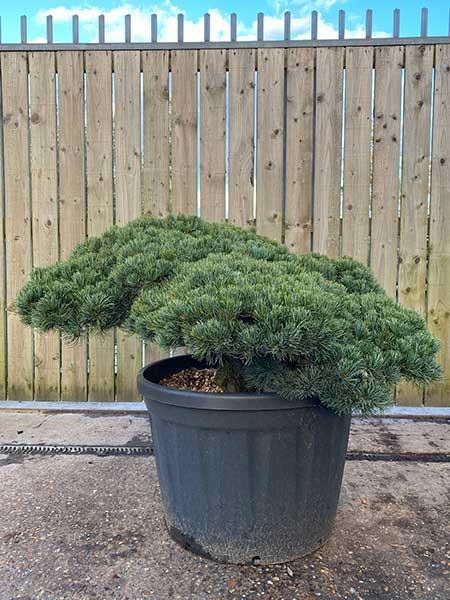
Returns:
(245, 478)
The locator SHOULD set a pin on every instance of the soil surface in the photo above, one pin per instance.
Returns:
(197, 380)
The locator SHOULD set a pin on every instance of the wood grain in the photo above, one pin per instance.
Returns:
(100, 213)
(14, 66)
(127, 137)
(3, 341)
(299, 148)
(156, 163)
(269, 169)
(386, 155)
(241, 136)
(357, 153)
(328, 152)
(72, 202)
(439, 254)
(414, 192)
(44, 208)
(155, 67)
(212, 134)
(184, 131)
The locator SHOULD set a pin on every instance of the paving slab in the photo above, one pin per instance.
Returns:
(90, 528)
(400, 436)
(367, 435)
(73, 428)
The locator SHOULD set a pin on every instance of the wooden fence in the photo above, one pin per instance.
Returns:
(339, 149)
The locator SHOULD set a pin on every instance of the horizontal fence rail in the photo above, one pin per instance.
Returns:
(338, 148)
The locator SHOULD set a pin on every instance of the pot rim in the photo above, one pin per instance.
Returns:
(148, 385)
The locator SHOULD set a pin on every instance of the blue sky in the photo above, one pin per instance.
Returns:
(115, 10)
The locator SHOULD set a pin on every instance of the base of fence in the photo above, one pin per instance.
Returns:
(398, 412)
(74, 407)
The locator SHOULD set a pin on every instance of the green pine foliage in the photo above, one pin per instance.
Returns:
(297, 325)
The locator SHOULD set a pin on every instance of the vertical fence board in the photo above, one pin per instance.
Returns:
(384, 235)
(357, 153)
(415, 176)
(439, 259)
(17, 219)
(212, 134)
(327, 175)
(128, 194)
(269, 168)
(241, 136)
(414, 192)
(299, 148)
(386, 156)
(155, 67)
(72, 202)
(44, 208)
(127, 138)
(184, 131)
(3, 347)
(100, 202)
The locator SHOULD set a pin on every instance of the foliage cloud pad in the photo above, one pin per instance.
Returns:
(298, 325)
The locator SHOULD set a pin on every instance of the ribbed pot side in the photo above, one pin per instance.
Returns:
(244, 478)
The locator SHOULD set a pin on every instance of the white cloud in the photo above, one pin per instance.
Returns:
(193, 28)
(304, 7)
(62, 14)
(38, 40)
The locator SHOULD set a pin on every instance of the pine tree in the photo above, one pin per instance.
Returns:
(270, 320)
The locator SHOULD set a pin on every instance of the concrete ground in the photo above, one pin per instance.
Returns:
(88, 527)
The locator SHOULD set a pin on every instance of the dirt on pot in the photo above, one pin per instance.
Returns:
(197, 380)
